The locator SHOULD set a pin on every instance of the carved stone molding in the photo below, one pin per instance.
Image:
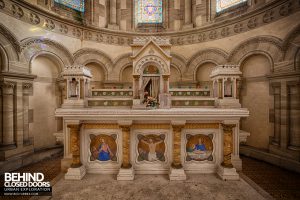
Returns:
(100, 126)
(151, 126)
(202, 126)
(254, 19)
(152, 59)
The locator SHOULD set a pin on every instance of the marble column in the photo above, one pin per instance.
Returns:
(8, 114)
(26, 90)
(227, 144)
(177, 172)
(75, 144)
(77, 171)
(177, 146)
(126, 147)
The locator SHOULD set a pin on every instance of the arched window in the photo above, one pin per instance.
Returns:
(148, 11)
(74, 4)
(225, 4)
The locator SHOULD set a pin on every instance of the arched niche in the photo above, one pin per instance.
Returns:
(98, 75)
(126, 76)
(3, 59)
(202, 75)
(255, 96)
(46, 98)
(175, 75)
(151, 80)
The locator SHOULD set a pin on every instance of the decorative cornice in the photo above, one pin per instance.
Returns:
(267, 14)
(100, 126)
(202, 126)
(151, 126)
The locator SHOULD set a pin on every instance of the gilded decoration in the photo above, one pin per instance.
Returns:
(75, 144)
(227, 145)
(151, 126)
(100, 126)
(202, 126)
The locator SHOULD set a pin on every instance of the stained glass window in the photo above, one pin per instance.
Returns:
(149, 11)
(224, 4)
(74, 4)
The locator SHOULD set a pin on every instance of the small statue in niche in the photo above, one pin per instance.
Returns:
(73, 88)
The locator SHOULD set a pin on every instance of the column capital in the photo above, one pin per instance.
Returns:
(74, 126)
(8, 87)
(177, 128)
(125, 128)
(26, 87)
(228, 127)
(136, 76)
(166, 77)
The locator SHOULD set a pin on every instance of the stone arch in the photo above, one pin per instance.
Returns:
(122, 70)
(53, 57)
(179, 62)
(31, 47)
(99, 63)
(9, 47)
(291, 48)
(151, 59)
(120, 63)
(198, 67)
(87, 55)
(214, 55)
(267, 45)
(257, 52)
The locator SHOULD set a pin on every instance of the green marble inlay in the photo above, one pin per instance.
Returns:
(191, 93)
(182, 103)
(110, 103)
(112, 93)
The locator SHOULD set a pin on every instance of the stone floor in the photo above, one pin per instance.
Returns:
(279, 183)
(158, 187)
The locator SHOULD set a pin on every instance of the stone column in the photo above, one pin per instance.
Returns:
(177, 172)
(226, 171)
(177, 146)
(126, 147)
(238, 88)
(26, 89)
(113, 15)
(77, 170)
(8, 114)
(136, 79)
(227, 144)
(166, 83)
(126, 172)
(220, 82)
(188, 12)
(75, 145)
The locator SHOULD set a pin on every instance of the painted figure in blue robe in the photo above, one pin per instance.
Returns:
(199, 147)
(105, 153)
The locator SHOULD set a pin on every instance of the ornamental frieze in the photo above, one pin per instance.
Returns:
(218, 30)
